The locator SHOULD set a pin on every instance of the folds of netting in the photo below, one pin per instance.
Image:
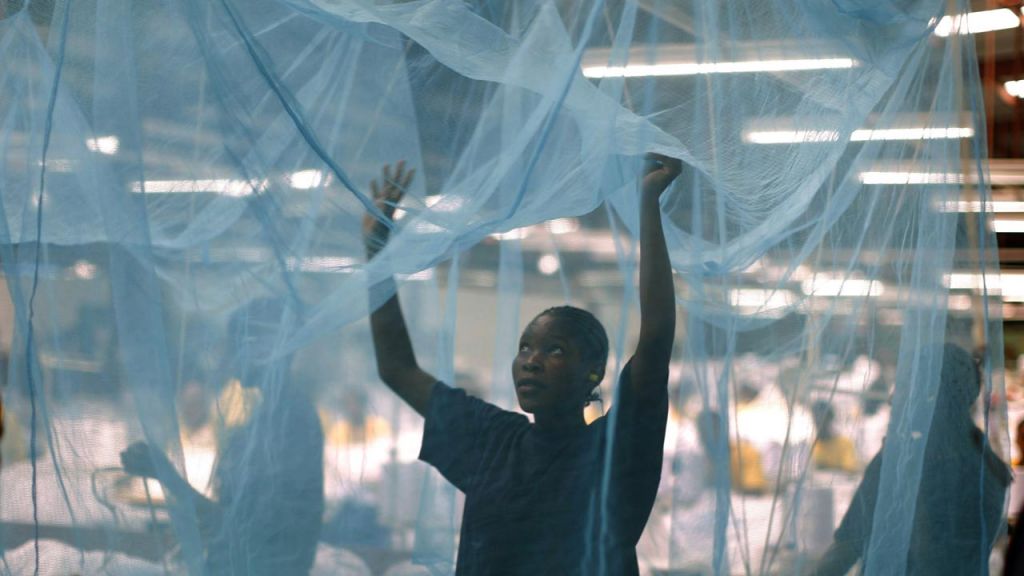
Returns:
(169, 168)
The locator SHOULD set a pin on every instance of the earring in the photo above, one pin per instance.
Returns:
(594, 377)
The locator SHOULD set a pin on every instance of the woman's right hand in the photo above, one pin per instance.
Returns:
(386, 196)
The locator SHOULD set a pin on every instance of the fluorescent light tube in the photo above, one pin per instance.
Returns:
(695, 68)
(977, 22)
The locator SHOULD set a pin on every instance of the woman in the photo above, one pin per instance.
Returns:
(547, 497)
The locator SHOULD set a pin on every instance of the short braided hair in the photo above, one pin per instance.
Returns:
(587, 329)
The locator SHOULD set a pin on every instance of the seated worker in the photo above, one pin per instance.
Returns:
(549, 496)
(831, 451)
(745, 465)
(958, 513)
(357, 425)
(268, 479)
(873, 419)
(1014, 561)
(1018, 439)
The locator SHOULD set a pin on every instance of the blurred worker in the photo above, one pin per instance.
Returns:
(745, 466)
(959, 501)
(269, 503)
(832, 451)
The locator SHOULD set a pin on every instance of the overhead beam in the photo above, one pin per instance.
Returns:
(670, 12)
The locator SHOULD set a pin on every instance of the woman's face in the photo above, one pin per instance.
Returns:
(549, 371)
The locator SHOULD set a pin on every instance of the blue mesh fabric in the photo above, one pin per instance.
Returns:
(167, 169)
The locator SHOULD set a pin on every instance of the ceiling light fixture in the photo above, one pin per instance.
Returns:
(104, 145)
(548, 264)
(993, 207)
(306, 179)
(1008, 226)
(1015, 88)
(832, 285)
(897, 178)
(977, 22)
(225, 187)
(696, 68)
(861, 135)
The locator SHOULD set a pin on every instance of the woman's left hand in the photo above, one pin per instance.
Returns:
(660, 171)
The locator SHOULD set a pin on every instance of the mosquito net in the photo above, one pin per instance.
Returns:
(192, 384)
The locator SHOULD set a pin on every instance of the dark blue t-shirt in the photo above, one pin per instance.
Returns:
(533, 502)
(958, 512)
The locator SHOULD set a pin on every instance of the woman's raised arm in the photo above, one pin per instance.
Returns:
(657, 291)
(396, 360)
